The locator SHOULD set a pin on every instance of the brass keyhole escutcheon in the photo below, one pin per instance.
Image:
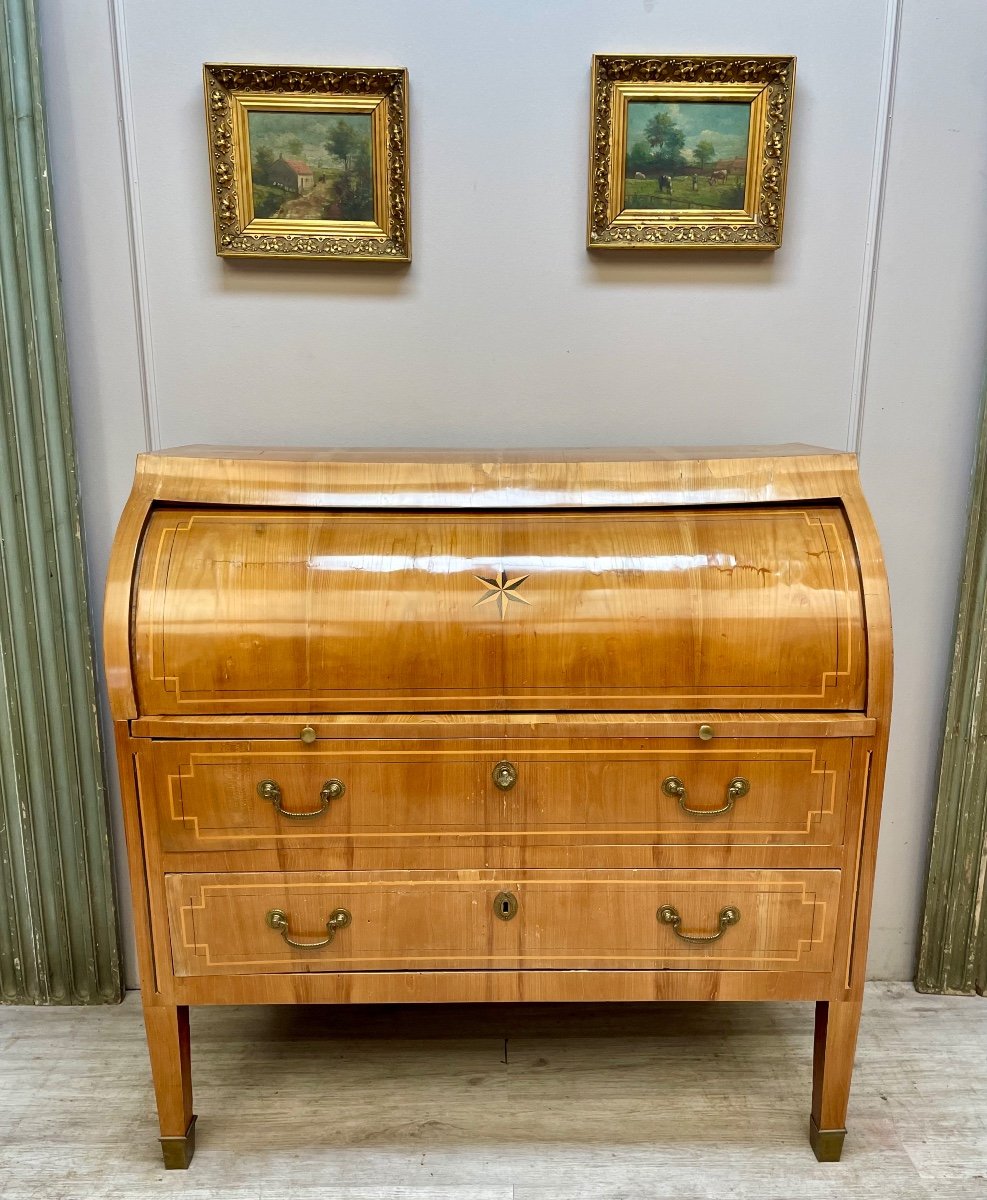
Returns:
(505, 906)
(505, 775)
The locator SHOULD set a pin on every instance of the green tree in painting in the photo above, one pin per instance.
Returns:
(703, 153)
(363, 171)
(666, 139)
(267, 200)
(657, 131)
(640, 156)
(342, 143)
(352, 196)
(263, 158)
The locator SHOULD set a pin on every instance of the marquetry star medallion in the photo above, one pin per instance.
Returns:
(502, 591)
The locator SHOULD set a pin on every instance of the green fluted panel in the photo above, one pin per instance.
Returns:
(953, 953)
(58, 929)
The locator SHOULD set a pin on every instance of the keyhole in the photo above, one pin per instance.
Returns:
(505, 906)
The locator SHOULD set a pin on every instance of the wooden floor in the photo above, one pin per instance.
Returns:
(494, 1103)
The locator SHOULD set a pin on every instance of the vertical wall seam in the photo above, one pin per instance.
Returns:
(135, 224)
(875, 223)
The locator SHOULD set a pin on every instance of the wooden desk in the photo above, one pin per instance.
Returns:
(421, 726)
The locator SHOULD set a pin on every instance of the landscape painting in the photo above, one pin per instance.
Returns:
(686, 155)
(311, 166)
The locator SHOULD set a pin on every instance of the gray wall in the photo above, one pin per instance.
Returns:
(865, 331)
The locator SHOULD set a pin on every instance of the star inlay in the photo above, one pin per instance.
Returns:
(503, 591)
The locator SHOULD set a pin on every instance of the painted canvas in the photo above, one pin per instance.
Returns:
(686, 155)
(311, 166)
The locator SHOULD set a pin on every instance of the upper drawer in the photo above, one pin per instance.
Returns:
(263, 611)
(229, 796)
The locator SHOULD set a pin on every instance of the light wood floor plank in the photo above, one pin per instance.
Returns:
(497, 1103)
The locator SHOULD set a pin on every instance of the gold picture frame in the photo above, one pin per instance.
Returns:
(349, 202)
(689, 187)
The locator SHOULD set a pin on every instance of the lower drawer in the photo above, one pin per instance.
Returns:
(227, 924)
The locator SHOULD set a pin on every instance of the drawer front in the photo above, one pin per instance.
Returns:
(249, 796)
(257, 611)
(228, 924)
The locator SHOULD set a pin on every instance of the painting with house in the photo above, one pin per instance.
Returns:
(311, 166)
(686, 154)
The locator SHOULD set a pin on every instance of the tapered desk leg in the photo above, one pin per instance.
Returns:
(168, 1043)
(837, 1022)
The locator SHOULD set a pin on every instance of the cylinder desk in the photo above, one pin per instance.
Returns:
(414, 726)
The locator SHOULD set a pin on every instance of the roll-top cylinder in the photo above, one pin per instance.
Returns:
(261, 611)
(284, 607)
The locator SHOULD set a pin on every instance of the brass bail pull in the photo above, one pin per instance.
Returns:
(277, 919)
(737, 787)
(668, 914)
(270, 789)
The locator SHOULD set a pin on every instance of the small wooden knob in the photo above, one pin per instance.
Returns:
(705, 733)
(308, 735)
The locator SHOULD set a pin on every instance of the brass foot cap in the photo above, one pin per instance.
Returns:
(177, 1151)
(827, 1144)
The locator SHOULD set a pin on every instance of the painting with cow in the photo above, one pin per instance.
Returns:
(686, 154)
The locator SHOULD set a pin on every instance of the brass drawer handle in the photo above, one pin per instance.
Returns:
(339, 919)
(737, 787)
(669, 915)
(332, 789)
(505, 775)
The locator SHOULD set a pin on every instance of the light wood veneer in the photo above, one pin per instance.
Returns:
(756, 609)
(320, 661)
(210, 796)
(575, 921)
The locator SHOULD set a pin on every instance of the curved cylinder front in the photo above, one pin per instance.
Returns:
(280, 611)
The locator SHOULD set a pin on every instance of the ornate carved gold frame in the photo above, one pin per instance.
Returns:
(233, 91)
(767, 82)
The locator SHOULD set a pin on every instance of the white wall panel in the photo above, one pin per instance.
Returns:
(504, 331)
(920, 416)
